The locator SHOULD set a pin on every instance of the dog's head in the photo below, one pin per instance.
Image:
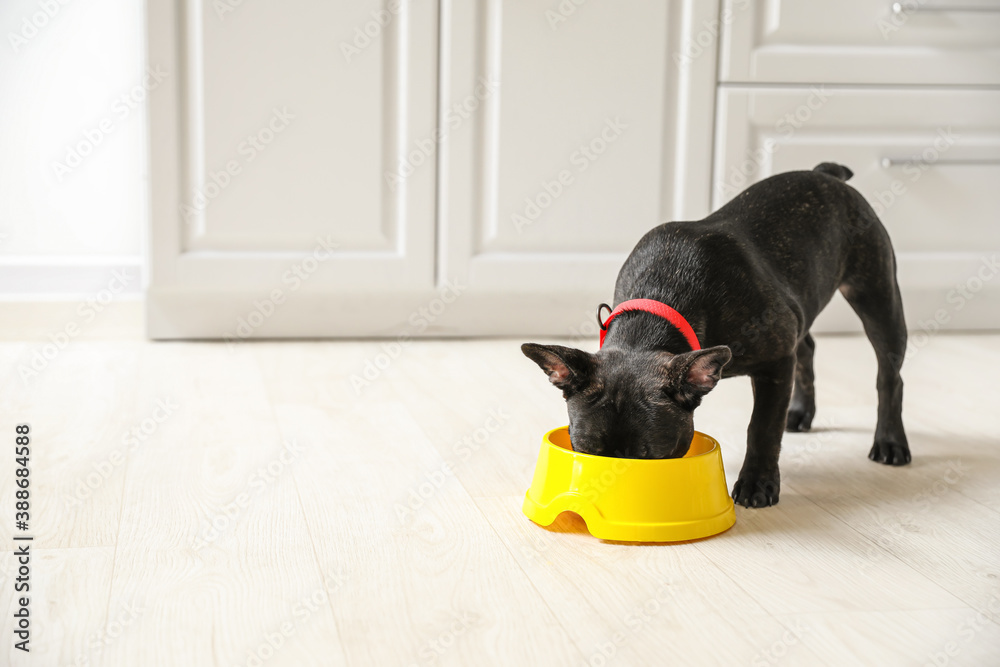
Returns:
(635, 404)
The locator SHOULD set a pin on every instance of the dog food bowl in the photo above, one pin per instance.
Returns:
(632, 500)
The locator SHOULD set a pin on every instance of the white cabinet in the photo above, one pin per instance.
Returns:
(489, 179)
(813, 81)
(273, 209)
(953, 42)
(446, 167)
(594, 137)
(928, 161)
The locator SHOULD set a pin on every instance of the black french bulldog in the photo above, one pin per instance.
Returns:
(750, 278)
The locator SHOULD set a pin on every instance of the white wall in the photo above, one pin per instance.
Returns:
(72, 147)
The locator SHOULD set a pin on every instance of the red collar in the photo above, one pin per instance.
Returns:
(650, 306)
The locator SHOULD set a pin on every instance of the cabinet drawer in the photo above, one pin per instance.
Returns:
(861, 41)
(928, 161)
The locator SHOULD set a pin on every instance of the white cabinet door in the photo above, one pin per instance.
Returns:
(861, 41)
(274, 144)
(501, 199)
(571, 130)
(928, 161)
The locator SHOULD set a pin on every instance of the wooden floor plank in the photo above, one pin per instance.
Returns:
(68, 602)
(81, 439)
(649, 604)
(213, 544)
(908, 514)
(803, 559)
(427, 580)
(391, 533)
(953, 637)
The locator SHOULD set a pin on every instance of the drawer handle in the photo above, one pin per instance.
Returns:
(888, 162)
(913, 6)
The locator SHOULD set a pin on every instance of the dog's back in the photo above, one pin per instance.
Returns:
(796, 235)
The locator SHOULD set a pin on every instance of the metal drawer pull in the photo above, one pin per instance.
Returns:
(913, 6)
(888, 162)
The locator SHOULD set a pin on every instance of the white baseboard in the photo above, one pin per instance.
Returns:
(235, 317)
(215, 316)
(40, 278)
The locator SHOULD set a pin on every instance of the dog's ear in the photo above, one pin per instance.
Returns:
(568, 368)
(691, 375)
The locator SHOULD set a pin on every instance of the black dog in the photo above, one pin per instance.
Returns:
(750, 279)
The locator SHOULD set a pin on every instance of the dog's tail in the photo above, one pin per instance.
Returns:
(835, 170)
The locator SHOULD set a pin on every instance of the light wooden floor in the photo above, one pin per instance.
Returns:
(380, 536)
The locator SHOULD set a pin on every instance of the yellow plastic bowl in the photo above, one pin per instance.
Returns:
(632, 500)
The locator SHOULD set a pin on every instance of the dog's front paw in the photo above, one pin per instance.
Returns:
(799, 419)
(890, 453)
(757, 488)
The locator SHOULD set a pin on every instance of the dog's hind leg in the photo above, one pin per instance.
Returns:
(803, 405)
(875, 298)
